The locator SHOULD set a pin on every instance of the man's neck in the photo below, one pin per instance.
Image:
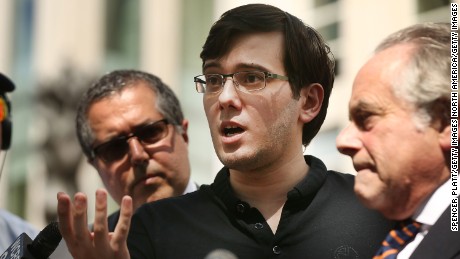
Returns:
(267, 189)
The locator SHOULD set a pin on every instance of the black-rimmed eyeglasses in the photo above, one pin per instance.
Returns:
(117, 148)
(246, 81)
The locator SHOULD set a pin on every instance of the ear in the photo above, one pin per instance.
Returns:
(311, 100)
(445, 138)
(184, 130)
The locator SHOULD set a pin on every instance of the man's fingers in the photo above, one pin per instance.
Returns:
(79, 217)
(124, 222)
(119, 237)
(67, 225)
(64, 210)
(100, 221)
(74, 228)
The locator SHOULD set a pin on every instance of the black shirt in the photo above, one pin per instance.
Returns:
(321, 218)
(112, 220)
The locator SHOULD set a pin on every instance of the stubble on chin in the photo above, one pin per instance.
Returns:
(235, 162)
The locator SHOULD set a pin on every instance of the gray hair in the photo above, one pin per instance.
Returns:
(425, 81)
(114, 82)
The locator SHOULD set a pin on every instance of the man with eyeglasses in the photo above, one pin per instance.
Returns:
(266, 83)
(132, 130)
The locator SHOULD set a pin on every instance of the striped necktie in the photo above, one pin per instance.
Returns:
(395, 241)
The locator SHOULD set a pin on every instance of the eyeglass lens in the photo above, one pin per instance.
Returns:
(116, 149)
(246, 81)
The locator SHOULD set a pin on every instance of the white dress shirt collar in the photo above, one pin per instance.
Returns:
(191, 186)
(430, 210)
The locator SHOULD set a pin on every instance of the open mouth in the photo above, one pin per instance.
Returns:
(232, 130)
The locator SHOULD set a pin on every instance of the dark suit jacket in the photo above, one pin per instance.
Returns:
(440, 242)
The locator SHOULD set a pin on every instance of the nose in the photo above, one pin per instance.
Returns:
(229, 97)
(348, 141)
(138, 155)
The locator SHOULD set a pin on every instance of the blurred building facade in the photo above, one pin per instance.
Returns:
(49, 45)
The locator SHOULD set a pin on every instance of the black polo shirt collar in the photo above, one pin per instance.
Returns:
(303, 192)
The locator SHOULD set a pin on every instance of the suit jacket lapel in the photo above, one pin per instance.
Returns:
(440, 242)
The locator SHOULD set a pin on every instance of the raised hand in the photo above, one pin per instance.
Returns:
(82, 243)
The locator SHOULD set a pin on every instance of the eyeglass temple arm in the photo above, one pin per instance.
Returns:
(276, 76)
(198, 80)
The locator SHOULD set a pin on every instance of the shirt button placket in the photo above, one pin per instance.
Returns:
(259, 226)
(276, 250)
(240, 208)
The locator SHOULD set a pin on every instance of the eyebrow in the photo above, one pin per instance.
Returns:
(363, 106)
(239, 66)
(211, 64)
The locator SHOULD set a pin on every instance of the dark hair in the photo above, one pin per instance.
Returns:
(114, 82)
(307, 58)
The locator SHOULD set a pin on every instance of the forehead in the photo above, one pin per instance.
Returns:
(381, 75)
(263, 50)
(135, 102)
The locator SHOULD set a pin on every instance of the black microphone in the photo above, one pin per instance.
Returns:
(40, 248)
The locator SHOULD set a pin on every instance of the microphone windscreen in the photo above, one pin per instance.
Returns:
(46, 241)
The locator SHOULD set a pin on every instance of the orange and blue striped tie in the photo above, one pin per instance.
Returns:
(395, 241)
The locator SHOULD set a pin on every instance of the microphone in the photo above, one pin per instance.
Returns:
(220, 254)
(40, 248)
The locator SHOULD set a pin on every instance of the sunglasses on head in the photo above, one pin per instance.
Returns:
(117, 148)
